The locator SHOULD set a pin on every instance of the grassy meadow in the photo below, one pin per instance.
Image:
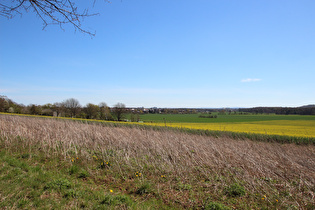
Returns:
(65, 164)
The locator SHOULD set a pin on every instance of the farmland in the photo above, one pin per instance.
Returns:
(194, 118)
(285, 125)
(63, 164)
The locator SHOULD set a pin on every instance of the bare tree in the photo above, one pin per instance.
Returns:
(105, 111)
(49, 11)
(119, 110)
(73, 106)
(58, 109)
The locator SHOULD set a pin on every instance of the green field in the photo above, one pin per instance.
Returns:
(194, 118)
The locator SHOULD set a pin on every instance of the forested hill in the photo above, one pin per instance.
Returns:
(308, 106)
(303, 110)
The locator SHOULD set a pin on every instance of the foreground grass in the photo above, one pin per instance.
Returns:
(34, 181)
(46, 163)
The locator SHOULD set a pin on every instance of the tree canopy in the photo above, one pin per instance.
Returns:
(119, 110)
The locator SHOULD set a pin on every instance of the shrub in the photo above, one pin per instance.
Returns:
(235, 190)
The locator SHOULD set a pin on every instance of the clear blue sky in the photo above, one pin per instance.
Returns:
(166, 53)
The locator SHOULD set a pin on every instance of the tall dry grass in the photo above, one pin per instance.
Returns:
(190, 157)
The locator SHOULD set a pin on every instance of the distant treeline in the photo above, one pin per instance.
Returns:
(304, 110)
(68, 108)
(72, 108)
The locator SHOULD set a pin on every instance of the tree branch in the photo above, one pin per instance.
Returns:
(51, 12)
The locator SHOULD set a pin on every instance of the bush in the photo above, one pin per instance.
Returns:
(235, 190)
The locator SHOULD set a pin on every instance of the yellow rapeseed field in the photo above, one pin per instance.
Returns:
(299, 128)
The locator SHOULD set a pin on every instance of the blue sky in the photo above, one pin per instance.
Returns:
(178, 53)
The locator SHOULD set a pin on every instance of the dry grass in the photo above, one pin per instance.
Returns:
(285, 172)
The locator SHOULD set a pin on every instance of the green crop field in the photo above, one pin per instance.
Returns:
(194, 118)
